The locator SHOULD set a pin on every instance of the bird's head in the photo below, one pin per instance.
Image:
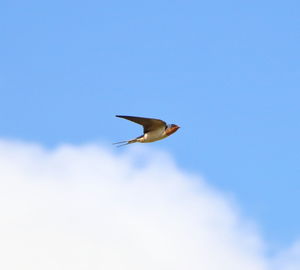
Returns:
(171, 129)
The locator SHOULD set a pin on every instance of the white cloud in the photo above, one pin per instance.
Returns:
(288, 259)
(88, 208)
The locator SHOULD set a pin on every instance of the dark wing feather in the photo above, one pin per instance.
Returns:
(148, 123)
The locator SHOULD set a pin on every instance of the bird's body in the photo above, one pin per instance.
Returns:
(153, 135)
(154, 129)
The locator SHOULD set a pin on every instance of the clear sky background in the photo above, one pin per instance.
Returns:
(227, 72)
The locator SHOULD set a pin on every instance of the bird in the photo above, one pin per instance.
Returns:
(154, 129)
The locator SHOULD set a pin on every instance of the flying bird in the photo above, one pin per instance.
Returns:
(154, 129)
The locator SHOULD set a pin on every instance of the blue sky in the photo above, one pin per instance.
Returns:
(226, 71)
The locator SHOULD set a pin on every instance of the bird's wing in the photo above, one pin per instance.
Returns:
(149, 124)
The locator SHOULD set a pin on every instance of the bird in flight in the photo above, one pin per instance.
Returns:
(154, 129)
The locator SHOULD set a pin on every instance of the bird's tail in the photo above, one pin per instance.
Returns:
(125, 142)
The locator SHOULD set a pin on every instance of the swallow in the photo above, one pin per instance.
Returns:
(154, 129)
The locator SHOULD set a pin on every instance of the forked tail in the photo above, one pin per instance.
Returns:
(125, 142)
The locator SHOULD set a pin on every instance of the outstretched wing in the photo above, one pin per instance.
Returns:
(149, 124)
